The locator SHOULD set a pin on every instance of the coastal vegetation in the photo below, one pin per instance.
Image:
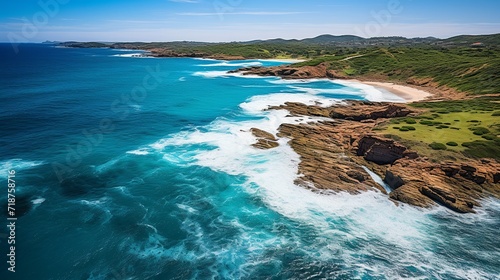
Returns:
(469, 70)
(468, 127)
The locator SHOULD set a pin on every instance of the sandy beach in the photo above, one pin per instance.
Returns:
(408, 93)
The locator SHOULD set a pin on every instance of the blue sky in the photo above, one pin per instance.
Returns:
(237, 20)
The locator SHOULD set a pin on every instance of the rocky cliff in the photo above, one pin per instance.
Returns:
(333, 153)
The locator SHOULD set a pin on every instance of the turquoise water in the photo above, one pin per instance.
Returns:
(142, 168)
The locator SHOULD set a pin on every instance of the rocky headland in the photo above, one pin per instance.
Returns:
(323, 71)
(334, 151)
(161, 52)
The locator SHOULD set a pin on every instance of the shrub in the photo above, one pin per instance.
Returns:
(426, 122)
(410, 121)
(452, 144)
(396, 127)
(404, 129)
(480, 130)
(467, 144)
(408, 127)
(489, 136)
(437, 146)
(474, 121)
(496, 114)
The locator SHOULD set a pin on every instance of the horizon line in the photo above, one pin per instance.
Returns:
(218, 42)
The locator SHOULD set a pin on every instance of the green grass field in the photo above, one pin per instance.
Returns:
(471, 127)
(451, 127)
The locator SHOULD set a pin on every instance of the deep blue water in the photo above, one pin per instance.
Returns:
(142, 168)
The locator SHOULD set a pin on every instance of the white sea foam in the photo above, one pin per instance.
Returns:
(257, 104)
(17, 164)
(372, 93)
(316, 91)
(139, 152)
(205, 59)
(211, 74)
(274, 171)
(224, 74)
(377, 179)
(187, 208)
(138, 55)
(280, 81)
(124, 50)
(38, 201)
(369, 92)
(232, 64)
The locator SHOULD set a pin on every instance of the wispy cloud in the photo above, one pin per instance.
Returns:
(139, 21)
(242, 13)
(185, 1)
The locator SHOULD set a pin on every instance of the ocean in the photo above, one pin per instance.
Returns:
(129, 167)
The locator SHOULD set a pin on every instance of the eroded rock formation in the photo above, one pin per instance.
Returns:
(333, 151)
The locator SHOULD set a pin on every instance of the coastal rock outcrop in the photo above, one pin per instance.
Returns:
(324, 161)
(379, 150)
(265, 140)
(333, 152)
(370, 111)
(455, 186)
(290, 72)
(162, 52)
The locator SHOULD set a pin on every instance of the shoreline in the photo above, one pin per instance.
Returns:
(408, 93)
(333, 151)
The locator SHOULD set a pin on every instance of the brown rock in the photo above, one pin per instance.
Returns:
(450, 169)
(265, 144)
(356, 175)
(265, 140)
(444, 197)
(394, 181)
(359, 110)
(259, 133)
(496, 177)
(410, 194)
(324, 163)
(380, 150)
(291, 72)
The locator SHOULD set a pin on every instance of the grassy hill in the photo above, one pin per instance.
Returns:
(465, 40)
(471, 70)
